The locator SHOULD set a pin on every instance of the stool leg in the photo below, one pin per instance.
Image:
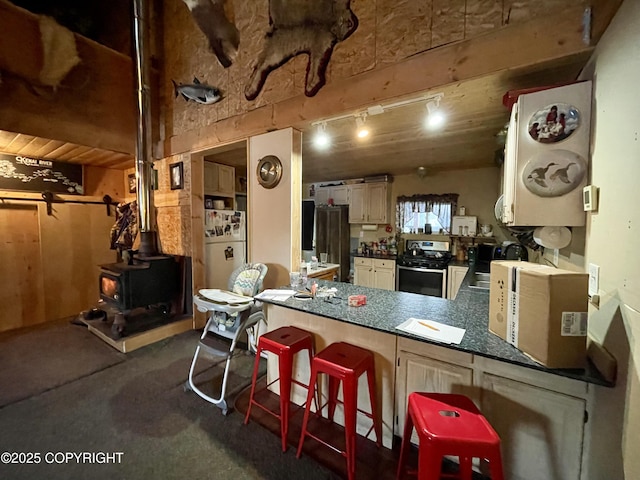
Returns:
(307, 409)
(466, 472)
(315, 394)
(350, 401)
(429, 463)
(285, 368)
(405, 446)
(256, 367)
(371, 381)
(334, 386)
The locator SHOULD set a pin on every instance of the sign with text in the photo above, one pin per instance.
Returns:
(38, 175)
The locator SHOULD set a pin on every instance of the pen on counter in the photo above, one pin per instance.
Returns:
(429, 326)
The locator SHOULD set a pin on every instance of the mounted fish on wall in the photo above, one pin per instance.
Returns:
(197, 92)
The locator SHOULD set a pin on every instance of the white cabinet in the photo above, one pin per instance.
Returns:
(368, 203)
(375, 273)
(455, 275)
(427, 368)
(219, 180)
(541, 430)
(539, 417)
(338, 193)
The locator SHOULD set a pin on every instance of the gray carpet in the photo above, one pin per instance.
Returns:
(49, 356)
(137, 406)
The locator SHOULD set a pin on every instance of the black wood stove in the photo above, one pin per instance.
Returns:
(143, 282)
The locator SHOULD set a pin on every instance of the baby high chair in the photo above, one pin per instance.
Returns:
(230, 313)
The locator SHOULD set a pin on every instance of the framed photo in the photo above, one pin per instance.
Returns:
(132, 183)
(176, 173)
(154, 179)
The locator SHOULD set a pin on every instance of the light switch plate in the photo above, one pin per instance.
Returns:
(556, 254)
(594, 279)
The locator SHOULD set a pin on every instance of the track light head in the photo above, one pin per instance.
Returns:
(321, 139)
(362, 131)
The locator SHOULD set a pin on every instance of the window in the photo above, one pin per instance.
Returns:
(419, 211)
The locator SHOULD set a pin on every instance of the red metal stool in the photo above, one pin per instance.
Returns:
(284, 342)
(344, 362)
(448, 424)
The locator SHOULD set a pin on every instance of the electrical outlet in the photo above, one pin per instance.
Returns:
(594, 279)
(361, 234)
(556, 254)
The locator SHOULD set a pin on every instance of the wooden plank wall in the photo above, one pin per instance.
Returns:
(50, 264)
(21, 280)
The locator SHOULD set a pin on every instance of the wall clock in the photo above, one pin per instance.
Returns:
(269, 171)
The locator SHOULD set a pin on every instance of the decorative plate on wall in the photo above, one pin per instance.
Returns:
(269, 171)
(554, 123)
(554, 173)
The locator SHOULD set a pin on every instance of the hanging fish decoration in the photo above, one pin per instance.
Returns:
(198, 92)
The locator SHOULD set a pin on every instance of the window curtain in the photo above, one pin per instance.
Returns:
(442, 206)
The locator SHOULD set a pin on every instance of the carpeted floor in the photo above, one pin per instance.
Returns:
(66, 393)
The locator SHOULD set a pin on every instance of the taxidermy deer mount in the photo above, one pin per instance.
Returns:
(296, 26)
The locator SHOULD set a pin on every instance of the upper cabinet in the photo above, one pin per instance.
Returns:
(368, 203)
(339, 194)
(546, 158)
(219, 180)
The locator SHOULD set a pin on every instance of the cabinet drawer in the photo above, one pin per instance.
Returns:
(390, 264)
(361, 261)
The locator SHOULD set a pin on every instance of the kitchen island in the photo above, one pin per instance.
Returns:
(539, 413)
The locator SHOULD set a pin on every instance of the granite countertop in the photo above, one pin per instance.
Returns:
(385, 310)
(323, 269)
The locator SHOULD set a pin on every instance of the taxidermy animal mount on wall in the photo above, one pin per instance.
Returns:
(302, 26)
(296, 26)
(215, 19)
(198, 92)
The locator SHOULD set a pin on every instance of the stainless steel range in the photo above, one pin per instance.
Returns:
(423, 268)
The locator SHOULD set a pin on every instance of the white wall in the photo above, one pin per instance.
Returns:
(612, 241)
(275, 214)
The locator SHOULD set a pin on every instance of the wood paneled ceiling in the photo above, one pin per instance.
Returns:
(399, 143)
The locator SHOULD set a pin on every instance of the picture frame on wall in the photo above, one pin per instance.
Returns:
(132, 183)
(176, 173)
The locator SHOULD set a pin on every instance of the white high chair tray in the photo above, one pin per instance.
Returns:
(223, 296)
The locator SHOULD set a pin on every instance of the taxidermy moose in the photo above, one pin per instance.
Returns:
(296, 26)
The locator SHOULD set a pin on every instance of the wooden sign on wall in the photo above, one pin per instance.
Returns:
(39, 175)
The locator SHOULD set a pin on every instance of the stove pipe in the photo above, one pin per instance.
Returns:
(144, 162)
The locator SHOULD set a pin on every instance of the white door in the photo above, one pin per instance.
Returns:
(222, 259)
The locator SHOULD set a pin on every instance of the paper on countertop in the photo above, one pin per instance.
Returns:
(433, 330)
(275, 294)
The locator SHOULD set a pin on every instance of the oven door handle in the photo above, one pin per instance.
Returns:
(426, 270)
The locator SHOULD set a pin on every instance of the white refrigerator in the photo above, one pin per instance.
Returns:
(225, 245)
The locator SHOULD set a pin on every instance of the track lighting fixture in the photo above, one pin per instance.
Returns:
(322, 139)
(362, 131)
(435, 116)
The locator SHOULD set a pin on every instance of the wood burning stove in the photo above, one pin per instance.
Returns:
(143, 282)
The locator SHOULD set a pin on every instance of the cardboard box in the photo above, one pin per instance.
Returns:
(540, 310)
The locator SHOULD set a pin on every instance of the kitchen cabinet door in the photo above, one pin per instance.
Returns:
(322, 196)
(455, 276)
(376, 203)
(384, 274)
(219, 180)
(340, 194)
(541, 431)
(363, 272)
(420, 373)
(357, 206)
(226, 180)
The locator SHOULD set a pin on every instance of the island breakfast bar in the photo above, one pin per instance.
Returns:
(540, 413)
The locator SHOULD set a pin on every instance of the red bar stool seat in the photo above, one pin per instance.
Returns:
(448, 424)
(345, 363)
(284, 342)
